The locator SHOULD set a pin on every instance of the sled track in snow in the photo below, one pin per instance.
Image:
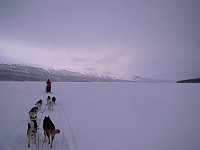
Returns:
(65, 140)
(70, 130)
(39, 122)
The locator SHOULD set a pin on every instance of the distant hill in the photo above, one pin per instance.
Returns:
(15, 72)
(149, 80)
(197, 80)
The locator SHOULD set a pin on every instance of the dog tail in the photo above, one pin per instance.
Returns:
(55, 131)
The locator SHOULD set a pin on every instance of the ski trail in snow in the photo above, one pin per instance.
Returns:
(16, 138)
(68, 131)
(65, 139)
(40, 129)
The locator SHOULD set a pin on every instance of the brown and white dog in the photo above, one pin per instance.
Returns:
(33, 113)
(49, 130)
(39, 104)
(34, 109)
(31, 131)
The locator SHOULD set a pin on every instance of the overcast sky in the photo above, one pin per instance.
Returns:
(122, 38)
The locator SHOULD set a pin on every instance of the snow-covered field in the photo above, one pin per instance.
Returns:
(104, 116)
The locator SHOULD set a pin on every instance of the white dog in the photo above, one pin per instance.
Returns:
(50, 103)
(31, 132)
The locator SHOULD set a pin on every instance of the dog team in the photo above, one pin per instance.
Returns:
(49, 128)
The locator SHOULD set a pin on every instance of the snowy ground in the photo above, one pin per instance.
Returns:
(104, 116)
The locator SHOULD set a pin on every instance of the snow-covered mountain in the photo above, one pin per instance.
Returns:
(137, 78)
(141, 79)
(15, 72)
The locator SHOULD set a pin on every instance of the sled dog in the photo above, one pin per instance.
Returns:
(49, 130)
(50, 103)
(54, 99)
(39, 104)
(34, 109)
(33, 113)
(31, 132)
(48, 99)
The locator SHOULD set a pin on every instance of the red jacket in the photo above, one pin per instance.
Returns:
(48, 83)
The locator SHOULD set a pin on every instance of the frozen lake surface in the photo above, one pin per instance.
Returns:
(104, 116)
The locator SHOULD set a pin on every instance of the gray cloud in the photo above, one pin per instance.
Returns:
(159, 38)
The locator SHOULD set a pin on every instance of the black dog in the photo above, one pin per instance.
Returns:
(53, 99)
(49, 130)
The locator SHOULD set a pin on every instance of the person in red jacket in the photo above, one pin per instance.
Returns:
(48, 87)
